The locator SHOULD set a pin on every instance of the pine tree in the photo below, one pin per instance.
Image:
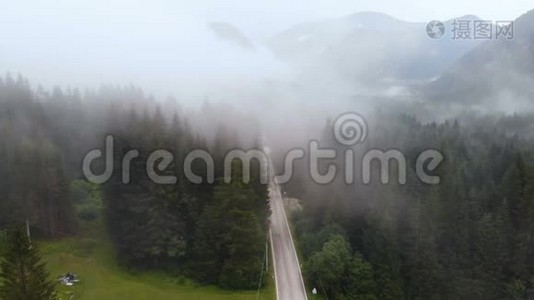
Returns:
(23, 276)
(164, 229)
(207, 249)
(244, 239)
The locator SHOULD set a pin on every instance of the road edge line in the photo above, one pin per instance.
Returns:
(274, 263)
(292, 242)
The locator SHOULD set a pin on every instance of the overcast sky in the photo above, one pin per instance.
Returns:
(262, 16)
(162, 43)
(286, 12)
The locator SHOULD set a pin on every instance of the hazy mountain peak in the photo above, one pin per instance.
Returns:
(526, 21)
(230, 33)
(372, 16)
(467, 17)
(376, 21)
(506, 63)
(366, 43)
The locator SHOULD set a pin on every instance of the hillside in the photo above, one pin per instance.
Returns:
(498, 71)
(370, 46)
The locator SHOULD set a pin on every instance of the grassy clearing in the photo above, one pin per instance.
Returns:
(101, 279)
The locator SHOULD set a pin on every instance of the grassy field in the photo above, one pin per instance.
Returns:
(101, 279)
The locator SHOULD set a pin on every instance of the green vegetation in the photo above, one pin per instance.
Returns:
(469, 237)
(230, 243)
(91, 255)
(23, 276)
(92, 258)
(338, 272)
(151, 227)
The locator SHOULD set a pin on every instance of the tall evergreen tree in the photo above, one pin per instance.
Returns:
(23, 276)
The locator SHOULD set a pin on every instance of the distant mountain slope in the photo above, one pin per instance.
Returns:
(370, 46)
(500, 71)
(230, 33)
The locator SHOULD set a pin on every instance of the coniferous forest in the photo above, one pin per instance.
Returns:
(232, 151)
(214, 233)
(468, 237)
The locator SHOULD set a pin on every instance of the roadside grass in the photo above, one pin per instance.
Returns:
(91, 256)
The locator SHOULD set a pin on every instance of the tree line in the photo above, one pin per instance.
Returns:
(213, 233)
(469, 237)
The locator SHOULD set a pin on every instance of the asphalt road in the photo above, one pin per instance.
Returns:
(289, 283)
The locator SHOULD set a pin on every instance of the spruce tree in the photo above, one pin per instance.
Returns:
(22, 274)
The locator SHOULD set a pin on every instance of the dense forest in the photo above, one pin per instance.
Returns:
(237, 150)
(469, 237)
(214, 233)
